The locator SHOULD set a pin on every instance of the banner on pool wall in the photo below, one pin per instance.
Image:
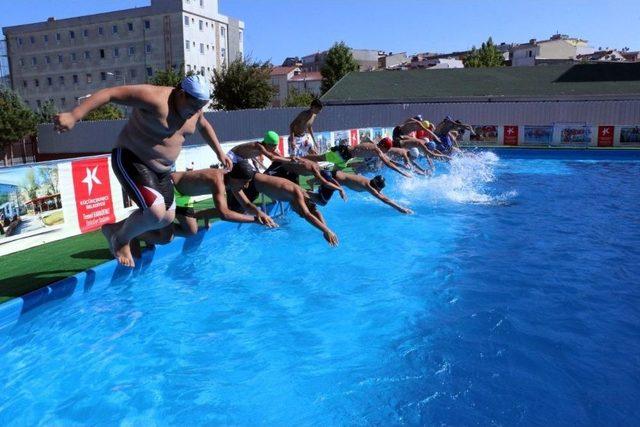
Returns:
(485, 134)
(378, 134)
(579, 134)
(354, 137)
(324, 141)
(538, 135)
(92, 188)
(605, 136)
(630, 135)
(364, 135)
(341, 137)
(30, 200)
(511, 135)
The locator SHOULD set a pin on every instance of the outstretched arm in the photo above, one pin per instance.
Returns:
(378, 195)
(138, 96)
(247, 205)
(299, 205)
(390, 164)
(209, 135)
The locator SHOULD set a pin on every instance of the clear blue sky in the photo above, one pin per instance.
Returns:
(276, 29)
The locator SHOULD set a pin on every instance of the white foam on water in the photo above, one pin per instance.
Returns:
(463, 180)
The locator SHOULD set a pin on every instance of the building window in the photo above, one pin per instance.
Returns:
(32, 39)
(148, 48)
(57, 37)
(85, 33)
(130, 26)
(19, 41)
(530, 54)
(75, 79)
(49, 81)
(103, 76)
(186, 23)
(45, 38)
(60, 59)
(188, 69)
(223, 53)
(87, 54)
(202, 70)
(61, 80)
(187, 45)
(240, 36)
(47, 60)
(63, 101)
(101, 53)
(147, 24)
(89, 78)
(149, 71)
(100, 31)
(222, 31)
(24, 83)
(201, 3)
(201, 25)
(132, 73)
(132, 50)
(116, 52)
(73, 56)
(202, 48)
(114, 29)
(22, 62)
(72, 34)
(36, 82)
(38, 103)
(34, 61)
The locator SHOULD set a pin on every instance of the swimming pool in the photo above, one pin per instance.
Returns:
(510, 297)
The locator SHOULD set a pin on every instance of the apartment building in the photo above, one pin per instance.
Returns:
(557, 49)
(284, 79)
(64, 60)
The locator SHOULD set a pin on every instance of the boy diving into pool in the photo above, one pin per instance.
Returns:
(147, 149)
(253, 150)
(301, 138)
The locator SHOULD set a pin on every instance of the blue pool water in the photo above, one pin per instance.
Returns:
(511, 297)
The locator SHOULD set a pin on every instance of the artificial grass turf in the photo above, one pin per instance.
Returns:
(31, 269)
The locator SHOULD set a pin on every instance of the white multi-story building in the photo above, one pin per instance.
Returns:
(64, 60)
(559, 48)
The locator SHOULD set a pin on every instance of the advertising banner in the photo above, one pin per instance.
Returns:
(30, 200)
(92, 189)
(354, 137)
(365, 135)
(378, 134)
(341, 137)
(574, 134)
(324, 141)
(538, 135)
(605, 136)
(630, 135)
(487, 134)
(511, 135)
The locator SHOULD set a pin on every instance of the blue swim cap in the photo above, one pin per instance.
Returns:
(197, 86)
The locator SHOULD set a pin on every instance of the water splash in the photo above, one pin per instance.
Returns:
(463, 180)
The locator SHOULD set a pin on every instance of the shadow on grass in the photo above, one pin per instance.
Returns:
(97, 254)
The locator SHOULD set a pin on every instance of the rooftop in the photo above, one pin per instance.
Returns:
(583, 81)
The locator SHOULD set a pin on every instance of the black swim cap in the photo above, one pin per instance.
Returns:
(378, 182)
(242, 170)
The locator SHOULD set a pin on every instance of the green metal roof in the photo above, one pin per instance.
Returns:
(540, 82)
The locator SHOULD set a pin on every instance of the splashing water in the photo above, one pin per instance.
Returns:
(463, 180)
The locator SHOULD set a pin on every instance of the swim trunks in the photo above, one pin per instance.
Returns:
(277, 169)
(325, 193)
(251, 192)
(184, 204)
(142, 184)
(395, 136)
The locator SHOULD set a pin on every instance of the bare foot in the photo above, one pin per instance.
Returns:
(122, 253)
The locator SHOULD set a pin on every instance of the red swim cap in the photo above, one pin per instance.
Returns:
(385, 143)
(421, 134)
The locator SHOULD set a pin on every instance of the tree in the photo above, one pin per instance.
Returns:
(48, 176)
(30, 185)
(338, 63)
(16, 119)
(170, 77)
(487, 56)
(46, 112)
(106, 112)
(296, 98)
(243, 84)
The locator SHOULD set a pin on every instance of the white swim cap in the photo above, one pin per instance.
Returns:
(414, 152)
(197, 86)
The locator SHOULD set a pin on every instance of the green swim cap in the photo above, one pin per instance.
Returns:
(271, 138)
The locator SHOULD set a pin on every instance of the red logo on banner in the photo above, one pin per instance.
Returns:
(93, 193)
(605, 136)
(354, 137)
(281, 145)
(511, 135)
